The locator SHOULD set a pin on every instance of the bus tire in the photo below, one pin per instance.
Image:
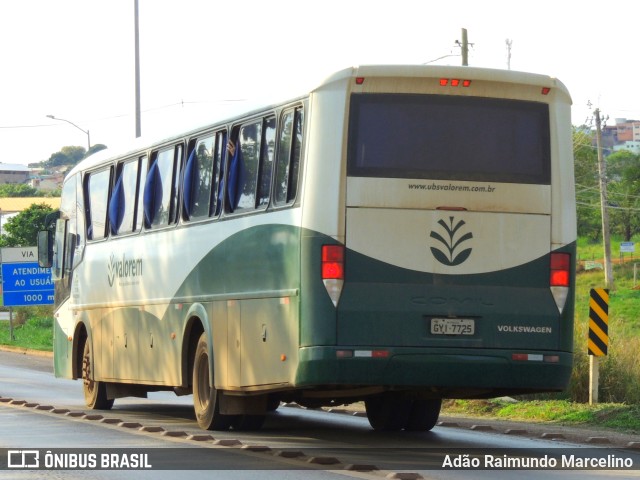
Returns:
(205, 396)
(388, 411)
(95, 393)
(423, 415)
(273, 402)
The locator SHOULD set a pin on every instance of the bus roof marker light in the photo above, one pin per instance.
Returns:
(359, 80)
(455, 82)
(444, 82)
(546, 90)
(466, 83)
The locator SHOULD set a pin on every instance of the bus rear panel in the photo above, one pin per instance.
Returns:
(457, 253)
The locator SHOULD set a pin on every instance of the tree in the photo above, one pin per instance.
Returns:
(22, 230)
(624, 193)
(95, 148)
(587, 187)
(66, 156)
(71, 155)
(18, 190)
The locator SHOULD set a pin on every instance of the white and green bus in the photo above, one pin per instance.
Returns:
(398, 235)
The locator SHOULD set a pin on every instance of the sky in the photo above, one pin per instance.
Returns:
(199, 59)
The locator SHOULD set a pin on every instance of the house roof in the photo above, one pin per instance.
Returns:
(14, 167)
(18, 204)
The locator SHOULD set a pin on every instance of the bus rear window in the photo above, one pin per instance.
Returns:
(449, 138)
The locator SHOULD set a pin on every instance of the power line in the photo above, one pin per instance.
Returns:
(147, 110)
(9, 127)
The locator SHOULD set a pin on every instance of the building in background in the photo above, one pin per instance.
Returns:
(14, 173)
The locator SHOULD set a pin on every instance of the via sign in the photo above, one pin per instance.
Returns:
(627, 247)
(24, 282)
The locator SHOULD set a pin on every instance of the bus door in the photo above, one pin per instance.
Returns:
(68, 251)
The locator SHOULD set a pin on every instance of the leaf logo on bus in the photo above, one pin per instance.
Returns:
(450, 255)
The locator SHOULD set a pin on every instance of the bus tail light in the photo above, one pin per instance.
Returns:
(560, 270)
(333, 270)
(560, 278)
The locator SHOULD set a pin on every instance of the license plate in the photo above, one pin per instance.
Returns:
(453, 326)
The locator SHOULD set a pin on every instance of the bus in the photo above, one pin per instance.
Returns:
(398, 235)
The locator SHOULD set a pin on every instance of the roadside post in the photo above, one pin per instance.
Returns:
(598, 341)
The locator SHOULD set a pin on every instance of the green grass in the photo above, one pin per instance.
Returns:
(594, 251)
(620, 417)
(35, 333)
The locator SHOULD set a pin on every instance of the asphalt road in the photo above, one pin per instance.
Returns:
(293, 443)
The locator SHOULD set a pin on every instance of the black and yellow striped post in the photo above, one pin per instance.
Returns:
(598, 342)
(599, 322)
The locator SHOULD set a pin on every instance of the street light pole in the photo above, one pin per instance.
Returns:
(86, 132)
(137, 68)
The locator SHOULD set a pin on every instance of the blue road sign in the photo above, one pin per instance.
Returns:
(25, 283)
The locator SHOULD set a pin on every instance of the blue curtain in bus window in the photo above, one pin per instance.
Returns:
(190, 182)
(116, 207)
(152, 193)
(236, 179)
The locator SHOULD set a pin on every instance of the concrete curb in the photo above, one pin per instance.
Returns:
(26, 351)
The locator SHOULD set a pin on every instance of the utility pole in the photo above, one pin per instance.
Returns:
(137, 68)
(465, 48)
(509, 43)
(602, 171)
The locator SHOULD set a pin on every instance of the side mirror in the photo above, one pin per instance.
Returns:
(45, 248)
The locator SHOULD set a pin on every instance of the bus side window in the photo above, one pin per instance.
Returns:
(142, 168)
(198, 175)
(97, 195)
(218, 173)
(161, 188)
(266, 162)
(58, 249)
(123, 199)
(251, 167)
(243, 168)
(288, 159)
(177, 170)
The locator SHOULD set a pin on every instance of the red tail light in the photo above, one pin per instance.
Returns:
(332, 262)
(560, 274)
(454, 82)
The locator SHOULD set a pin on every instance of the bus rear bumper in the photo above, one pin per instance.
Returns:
(492, 370)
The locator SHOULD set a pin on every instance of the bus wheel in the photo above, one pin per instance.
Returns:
(95, 393)
(423, 415)
(205, 396)
(273, 402)
(389, 411)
